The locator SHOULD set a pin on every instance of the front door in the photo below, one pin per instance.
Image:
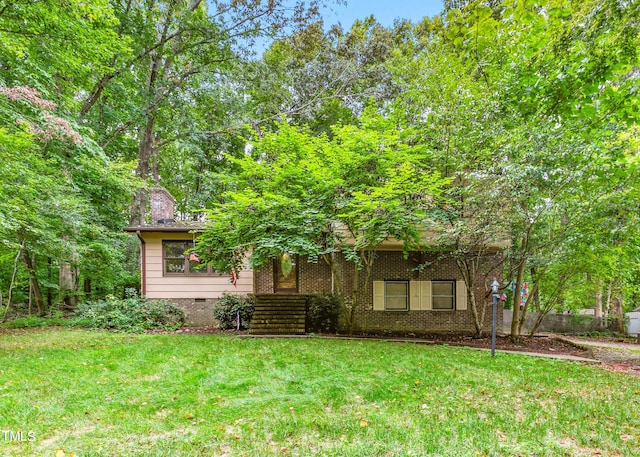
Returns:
(286, 274)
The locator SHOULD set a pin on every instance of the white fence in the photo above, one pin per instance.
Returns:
(633, 323)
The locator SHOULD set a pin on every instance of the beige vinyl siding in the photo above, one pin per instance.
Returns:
(175, 286)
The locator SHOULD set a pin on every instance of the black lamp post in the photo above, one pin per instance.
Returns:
(494, 289)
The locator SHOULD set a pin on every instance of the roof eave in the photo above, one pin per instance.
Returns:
(160, 228)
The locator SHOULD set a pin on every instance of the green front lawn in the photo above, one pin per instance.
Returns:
(102, 394)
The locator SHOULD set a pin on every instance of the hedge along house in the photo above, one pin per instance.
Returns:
(422, 293)
(167, 272)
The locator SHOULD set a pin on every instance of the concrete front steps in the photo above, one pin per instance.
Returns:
(279, 314)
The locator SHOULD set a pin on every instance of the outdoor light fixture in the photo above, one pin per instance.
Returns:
(494, 289)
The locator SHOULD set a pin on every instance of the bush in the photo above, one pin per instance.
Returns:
(606, 333)
(226, 308)
(323, 314)
(36, 321)
(132, 314)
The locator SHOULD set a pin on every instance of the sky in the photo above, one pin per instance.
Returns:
(385, 11)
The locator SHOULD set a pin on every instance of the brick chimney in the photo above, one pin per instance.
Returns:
(161, 205)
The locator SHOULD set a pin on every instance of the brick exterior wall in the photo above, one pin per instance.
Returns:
(199, 312)
(263, 279)
(390, 265)
(313, 278)
(161, 203)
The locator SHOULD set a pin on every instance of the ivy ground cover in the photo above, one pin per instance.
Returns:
(103, 394)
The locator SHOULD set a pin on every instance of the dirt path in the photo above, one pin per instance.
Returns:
(618, 355)
(600, 343)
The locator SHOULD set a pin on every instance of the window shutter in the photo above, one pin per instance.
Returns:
(378, 295)
(415, 296)
(425, 295)
(461, 296)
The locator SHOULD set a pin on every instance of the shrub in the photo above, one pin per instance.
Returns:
(601, 334)
(323, 314)
(37, 321)
(225, 310)
(132, 314)
(54, 318)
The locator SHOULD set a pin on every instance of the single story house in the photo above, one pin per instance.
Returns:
(399, 297)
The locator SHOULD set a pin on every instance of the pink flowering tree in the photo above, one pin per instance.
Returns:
(55, 183)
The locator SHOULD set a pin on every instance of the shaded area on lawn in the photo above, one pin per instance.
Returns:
(537, 344)
(102, 394)
(616, 353)
(625, 358)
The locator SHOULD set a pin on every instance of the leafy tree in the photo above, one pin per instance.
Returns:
(323, 78)
(59, 193)
(316, 78)
(458, 121)
(513, 104)
(302, 194)
(36, 49)
(175, 47)
(574, 79)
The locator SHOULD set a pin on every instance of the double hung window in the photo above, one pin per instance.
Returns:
(178, 263)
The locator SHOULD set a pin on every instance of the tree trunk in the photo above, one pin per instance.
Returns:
(354, 296)
(13, 280)
(148, 140)
(337, 286)
(30, 300)
(145, 152)
(367, 257)
(525, 308)
(67, 281)
(87, 288)
(537, 323)
(33, 279)
(536, 295)
(49, 278)
(607, 304)
(618, 310)
(597, 314)
(146, 146)
(96, 91)
(468, 271)
(477, 319)
(551, 302)
(515, 323)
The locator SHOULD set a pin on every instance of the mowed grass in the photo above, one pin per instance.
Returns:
(102, 394)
